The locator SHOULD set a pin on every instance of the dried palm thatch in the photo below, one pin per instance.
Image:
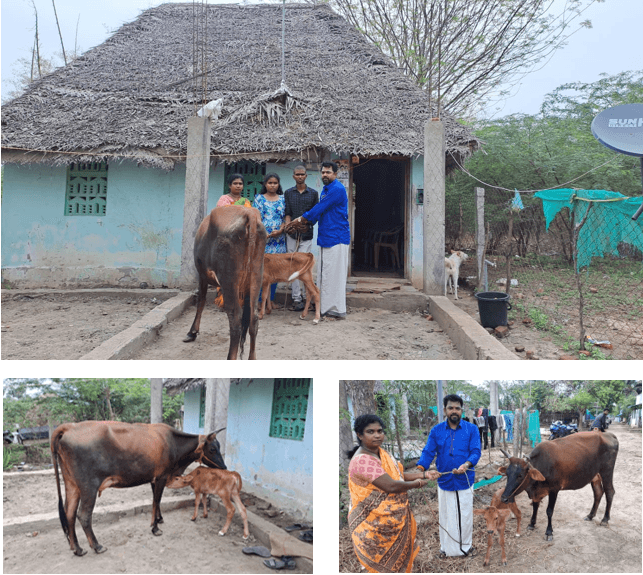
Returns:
(182, 384)
(131, 96)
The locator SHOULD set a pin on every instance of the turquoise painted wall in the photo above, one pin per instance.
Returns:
(138, 240)
(278, 470)
(416, 231)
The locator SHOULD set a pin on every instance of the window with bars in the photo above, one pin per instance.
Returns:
(86, 193)
(289, 406)
(252, 173)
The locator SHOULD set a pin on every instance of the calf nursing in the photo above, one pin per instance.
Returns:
(226, 484)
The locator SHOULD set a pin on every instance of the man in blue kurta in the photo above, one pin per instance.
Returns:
(333, 239)
(457, 446)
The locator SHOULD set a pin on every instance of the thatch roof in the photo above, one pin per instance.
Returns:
(131, 96)
(182, 384)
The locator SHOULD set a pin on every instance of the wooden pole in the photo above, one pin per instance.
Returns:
(480, 235)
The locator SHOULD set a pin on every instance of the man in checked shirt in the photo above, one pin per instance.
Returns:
(299, 199)
(457, 446)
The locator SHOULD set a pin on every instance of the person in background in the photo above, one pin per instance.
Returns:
(299, 199)
(600, 423)
(272, 207)
(235, 188)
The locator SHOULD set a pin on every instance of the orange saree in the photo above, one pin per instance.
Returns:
(382, 525)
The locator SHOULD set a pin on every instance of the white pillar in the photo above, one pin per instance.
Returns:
(197, 174)
(156, 404)
(433, 209)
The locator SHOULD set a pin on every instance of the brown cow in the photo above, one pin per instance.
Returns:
(496, 520)
(228, 254)
(287, 268)
(568, 463)
(225, 484)
(95, 455)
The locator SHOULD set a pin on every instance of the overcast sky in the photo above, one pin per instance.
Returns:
(613, 44)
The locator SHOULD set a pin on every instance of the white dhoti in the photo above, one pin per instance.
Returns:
(456, 521)
(298, 294)
(332, 269)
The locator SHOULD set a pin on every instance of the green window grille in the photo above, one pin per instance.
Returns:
(252, 173)
(86, 189)
(289, 406)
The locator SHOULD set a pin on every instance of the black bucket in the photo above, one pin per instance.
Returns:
(493, 306)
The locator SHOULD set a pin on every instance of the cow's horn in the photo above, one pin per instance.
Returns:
(217, 431)
(505, 453)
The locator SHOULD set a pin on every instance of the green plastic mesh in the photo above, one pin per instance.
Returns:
(609, 222)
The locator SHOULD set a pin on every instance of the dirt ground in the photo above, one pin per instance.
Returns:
(184, 547)
(364, 334)
(66, 325)
(578, 547)
(34, 327)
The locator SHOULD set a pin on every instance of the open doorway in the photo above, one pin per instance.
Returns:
(379, 217)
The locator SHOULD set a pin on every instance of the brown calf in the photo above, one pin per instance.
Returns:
(498, 504)
(287, 268)
(496, 520)
(226, 484)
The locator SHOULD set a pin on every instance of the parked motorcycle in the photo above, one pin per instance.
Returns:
(558, 429)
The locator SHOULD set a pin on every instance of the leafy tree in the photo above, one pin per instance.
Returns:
(29, 402)
(466, 51)
(546, 150)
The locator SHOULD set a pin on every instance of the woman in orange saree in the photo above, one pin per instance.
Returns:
(382, 525)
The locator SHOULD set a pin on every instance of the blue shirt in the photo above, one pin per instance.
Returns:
(453, 447)
(332, 214)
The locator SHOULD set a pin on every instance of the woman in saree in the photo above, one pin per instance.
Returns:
(382, 525)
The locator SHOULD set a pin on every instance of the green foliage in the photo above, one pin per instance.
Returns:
(9, 458)
(533, 152)
(31, 402)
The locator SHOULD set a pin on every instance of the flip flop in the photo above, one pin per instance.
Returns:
(261, 551)
(306, 536)
(286, 562)
(297, 526)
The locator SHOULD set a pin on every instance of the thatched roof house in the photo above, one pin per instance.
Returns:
(95, 153)
(131, 96)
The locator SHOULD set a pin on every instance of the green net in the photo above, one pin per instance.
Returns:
(608, 224)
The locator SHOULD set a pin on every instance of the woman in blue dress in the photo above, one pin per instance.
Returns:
(272, 206)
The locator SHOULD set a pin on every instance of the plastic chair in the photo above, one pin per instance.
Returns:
(390, 239)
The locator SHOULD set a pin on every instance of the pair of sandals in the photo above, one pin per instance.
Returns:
(286, 561)
(307, 533)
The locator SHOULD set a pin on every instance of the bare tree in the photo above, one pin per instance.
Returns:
(59, 32)
(466, 52)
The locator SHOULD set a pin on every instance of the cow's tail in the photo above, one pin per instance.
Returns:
(239, 482)
(251, 235)
(55, 444)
